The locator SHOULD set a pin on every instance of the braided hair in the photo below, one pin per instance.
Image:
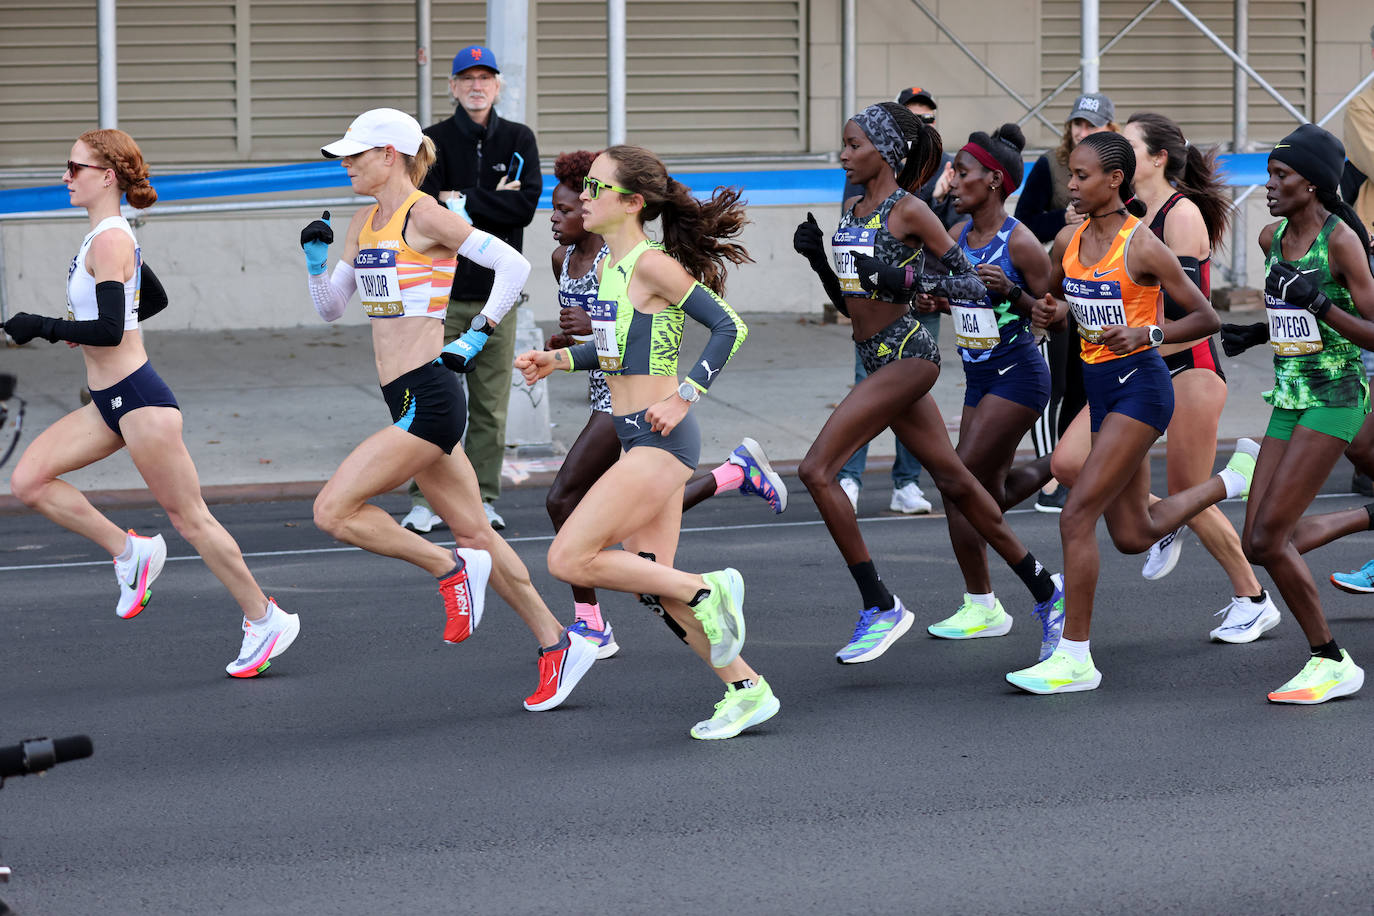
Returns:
(1189, 169)
(126, 159)
(924, 147)
(1114, 153)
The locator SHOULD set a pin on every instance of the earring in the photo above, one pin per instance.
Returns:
(1310, 189)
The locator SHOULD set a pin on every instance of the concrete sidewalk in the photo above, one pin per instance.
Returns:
(272, 413)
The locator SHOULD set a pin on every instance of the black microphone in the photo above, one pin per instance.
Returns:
(38, 754)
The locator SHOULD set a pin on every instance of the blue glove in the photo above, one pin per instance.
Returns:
(315, 239)
(459, 355)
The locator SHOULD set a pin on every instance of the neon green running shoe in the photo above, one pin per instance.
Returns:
(1320, 680)
(742, 708)
(1243, 462)
(973, 621)
(1058, 674)
(722, 615)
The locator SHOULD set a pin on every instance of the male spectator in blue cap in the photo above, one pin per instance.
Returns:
(488, 170)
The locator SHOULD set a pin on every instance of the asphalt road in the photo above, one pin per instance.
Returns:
(374, 769)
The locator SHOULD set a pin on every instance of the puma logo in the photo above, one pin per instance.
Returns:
(632, 421)
(710, 373)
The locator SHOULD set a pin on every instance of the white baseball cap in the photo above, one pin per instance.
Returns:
(378, 127)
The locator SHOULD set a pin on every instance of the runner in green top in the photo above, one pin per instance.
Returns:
(1319, 296)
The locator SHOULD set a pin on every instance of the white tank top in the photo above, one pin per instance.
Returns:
(81, 304)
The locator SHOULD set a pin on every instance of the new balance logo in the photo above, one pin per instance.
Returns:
(116, 403)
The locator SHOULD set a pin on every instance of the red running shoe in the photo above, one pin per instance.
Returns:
(464, 592)
(560, 668)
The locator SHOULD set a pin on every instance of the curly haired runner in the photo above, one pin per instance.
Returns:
(888, 150)
(577, 265)
(131, 408)
(646, 293)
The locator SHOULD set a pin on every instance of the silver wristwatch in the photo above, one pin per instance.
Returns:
(689, 392)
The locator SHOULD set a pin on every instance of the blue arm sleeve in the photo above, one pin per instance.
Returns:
(728, 331)
(582, 356)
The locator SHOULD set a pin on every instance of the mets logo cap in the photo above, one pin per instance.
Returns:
(474, 56)
(378, 127)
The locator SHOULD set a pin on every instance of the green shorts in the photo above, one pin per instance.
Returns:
(1341, 422)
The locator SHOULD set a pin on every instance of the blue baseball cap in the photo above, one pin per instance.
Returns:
(474, 56)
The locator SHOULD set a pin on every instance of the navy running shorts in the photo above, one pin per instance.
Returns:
(1021, 376)
(426, 402)
(683, 443)
(1137, 386)
(141, 388)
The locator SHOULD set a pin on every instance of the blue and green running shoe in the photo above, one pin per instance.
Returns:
(759, 476)
(1058, 674)
(973, 621)
(1359, 582)
(875, 632)
(1051, 616)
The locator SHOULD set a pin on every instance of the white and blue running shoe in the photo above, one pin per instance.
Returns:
(875, 632)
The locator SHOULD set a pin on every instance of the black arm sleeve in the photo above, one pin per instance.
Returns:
(1032, 207)
(510, 209)
(105, 331)
(831, 284)
(728, 331)
(1192, 269)
(962, 283)
(152, 298)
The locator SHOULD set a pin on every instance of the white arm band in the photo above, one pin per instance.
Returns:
(331, 293)
(510, 266)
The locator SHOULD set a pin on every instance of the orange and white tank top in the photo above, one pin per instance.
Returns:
(395, 280)
(1104, 294)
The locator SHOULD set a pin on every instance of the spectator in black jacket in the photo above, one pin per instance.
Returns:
(488, 171)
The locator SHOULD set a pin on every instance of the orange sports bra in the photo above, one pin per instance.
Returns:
(395, 280)
(1103, 294)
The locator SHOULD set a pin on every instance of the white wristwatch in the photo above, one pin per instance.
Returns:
(1156, 334)
(689, 392)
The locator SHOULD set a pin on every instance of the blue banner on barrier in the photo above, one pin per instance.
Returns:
(762, 188)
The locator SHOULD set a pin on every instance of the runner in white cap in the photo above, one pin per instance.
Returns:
(399, 258)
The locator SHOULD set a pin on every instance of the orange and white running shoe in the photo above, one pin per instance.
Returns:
(136, 574)
(560, 668)
(464, 592)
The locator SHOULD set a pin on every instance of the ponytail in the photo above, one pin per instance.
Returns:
(924, 147)
(1189, 169)
(1333, 203)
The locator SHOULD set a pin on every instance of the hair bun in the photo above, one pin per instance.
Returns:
(1011, 134)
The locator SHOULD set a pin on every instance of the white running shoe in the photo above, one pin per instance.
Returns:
(422, 519)
(851, 489)
(1163, 555)
(494, 517)
(1246, 620)
(909, 500)
(264, 641)
(137, 574)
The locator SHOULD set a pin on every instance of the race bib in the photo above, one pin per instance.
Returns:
(379, 287)
(581, 301)
(1096, 306)
(975, 327)
(603, 333)
(1293, 331)
(844, 245)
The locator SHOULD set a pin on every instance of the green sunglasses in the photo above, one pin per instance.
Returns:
(595, 187)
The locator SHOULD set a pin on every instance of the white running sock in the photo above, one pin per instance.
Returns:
(1235, 483)
(1078, 651)
(128, 553)
(988, 601)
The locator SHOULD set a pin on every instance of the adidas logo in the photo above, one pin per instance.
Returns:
(884, 349)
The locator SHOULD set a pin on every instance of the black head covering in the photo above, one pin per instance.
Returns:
(1314, 154)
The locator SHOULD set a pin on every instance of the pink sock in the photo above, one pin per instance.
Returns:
(728, 477)
(590, 614)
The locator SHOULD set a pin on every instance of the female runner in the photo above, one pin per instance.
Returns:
(1187, 210)
(1111, 275)
(577, 264)
(1316, 257)
(399, 256)
(887, 150)
(131, 407)
(1007, 383)
(646, 292)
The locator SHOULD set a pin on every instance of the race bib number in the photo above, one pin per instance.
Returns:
(1096, 306)
(1293, 331)
(975, 327)
(379, 287)
(603, 334)
(844, 245)
(581, 301)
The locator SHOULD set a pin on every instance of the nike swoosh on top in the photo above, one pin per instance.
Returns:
(1099, 276)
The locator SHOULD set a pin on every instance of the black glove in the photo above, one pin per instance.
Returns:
(1237, 338)
(1285, 283)
(809, 242)
(874, 275)
(24, 327)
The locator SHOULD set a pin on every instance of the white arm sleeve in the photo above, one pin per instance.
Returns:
(331, 293)
(510, 266)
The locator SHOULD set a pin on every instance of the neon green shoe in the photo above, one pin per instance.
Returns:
(973, 621)
(742, 708)
(1058, 674)
(1243, 462)
(722, 615)
(1320, 680)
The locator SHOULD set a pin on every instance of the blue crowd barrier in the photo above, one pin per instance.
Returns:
(765, 187)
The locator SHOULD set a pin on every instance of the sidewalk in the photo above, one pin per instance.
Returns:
(270, 414)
